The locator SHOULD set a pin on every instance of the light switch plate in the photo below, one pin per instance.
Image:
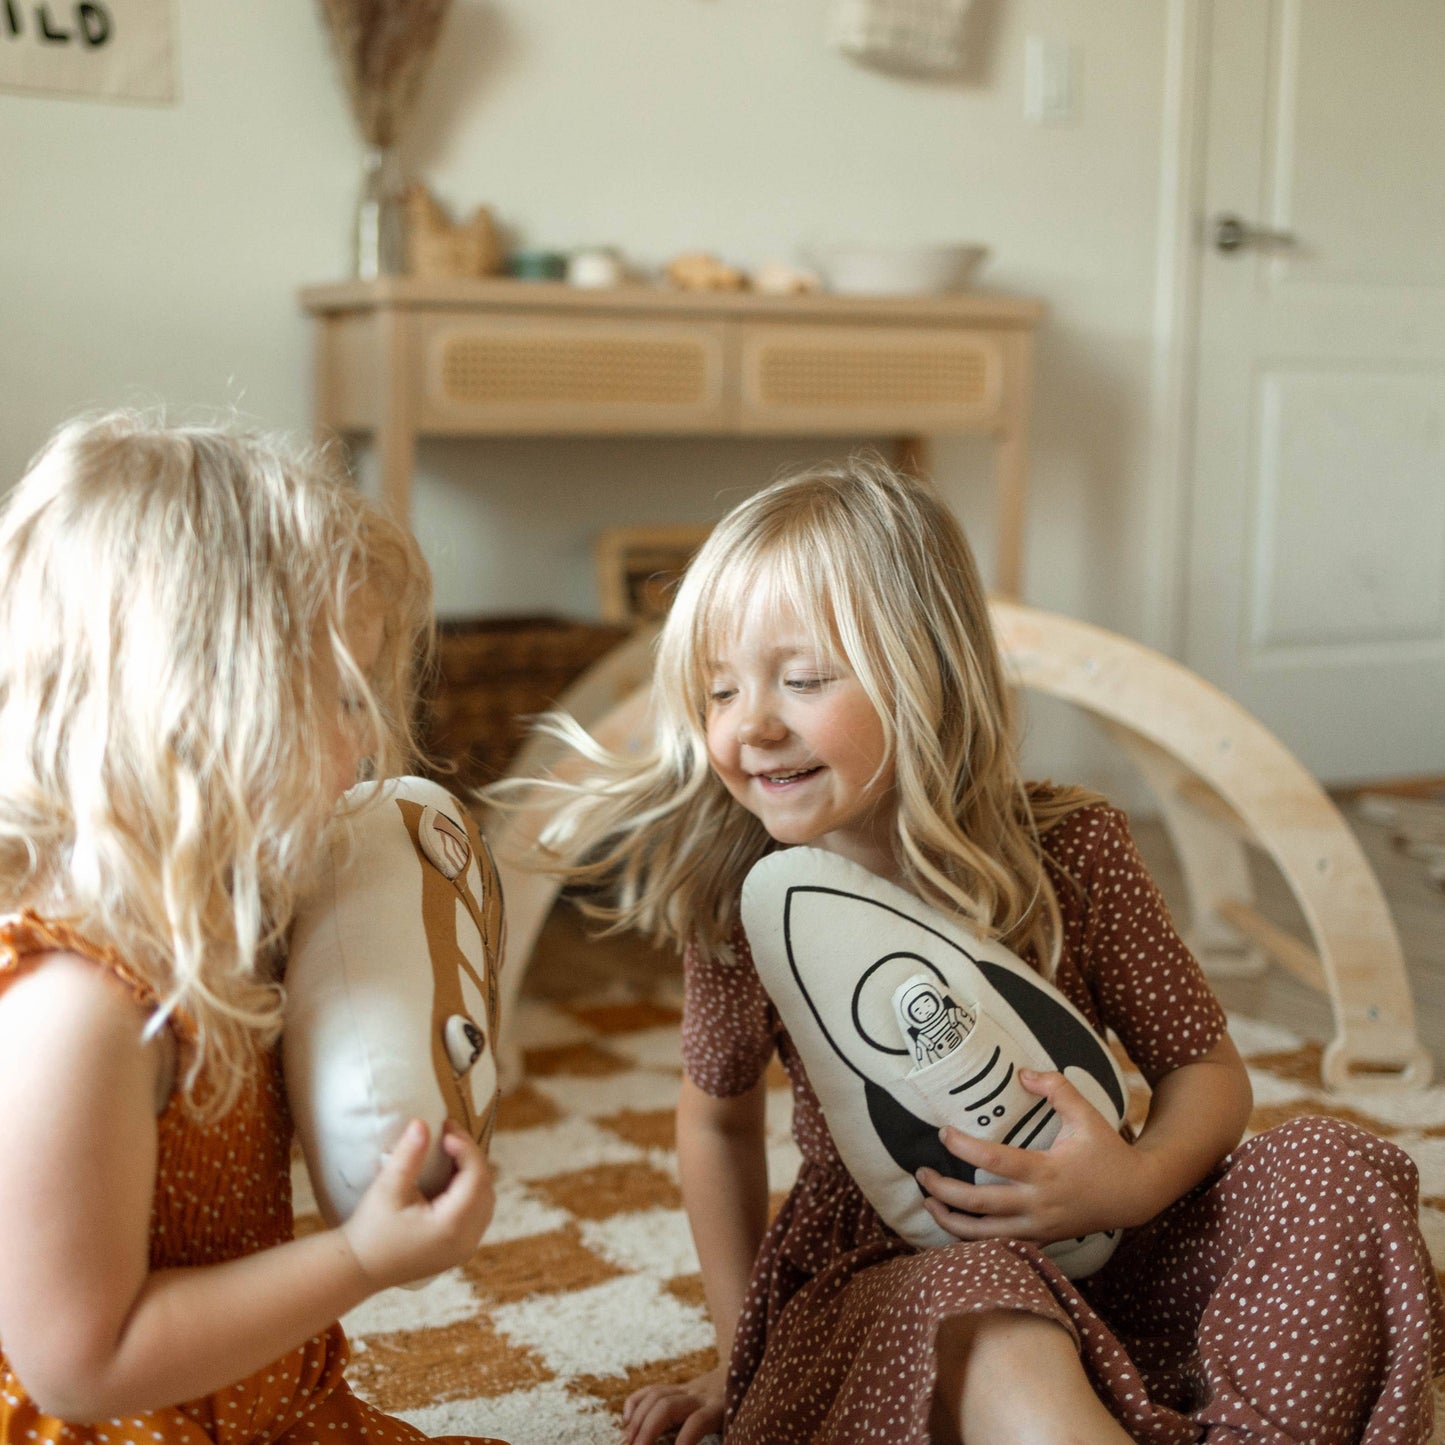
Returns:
(1051, 81)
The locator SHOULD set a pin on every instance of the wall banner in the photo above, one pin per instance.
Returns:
(105, 49)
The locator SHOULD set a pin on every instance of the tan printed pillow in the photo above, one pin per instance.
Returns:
(391, 989)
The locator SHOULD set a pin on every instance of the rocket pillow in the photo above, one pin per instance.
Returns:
(391, 990)
(906, 1022)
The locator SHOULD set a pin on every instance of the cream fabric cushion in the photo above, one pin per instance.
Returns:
(833, 944)
(391, 989)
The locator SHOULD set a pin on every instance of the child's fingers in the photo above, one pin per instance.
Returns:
(987, 1199)
(1040, 1081)
(1001, 1159)
(465, 1206)
(979, 1226)
(696, 1407)
(699, 1426)
(638, 1401)
(472, 1168)
(1057, 1089)
(641, 1405)
(661, 1415)
(1078, 1115)
(459, 1144)
(477, 1196)
(403, 1164)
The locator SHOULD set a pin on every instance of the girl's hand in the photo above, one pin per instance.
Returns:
(1088, 1179)
(697, 1406)
(397, 1235)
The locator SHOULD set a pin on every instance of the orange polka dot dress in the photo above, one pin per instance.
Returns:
(222, 1191)
(1289, 1299)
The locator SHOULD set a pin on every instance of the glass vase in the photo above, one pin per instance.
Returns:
(379, 233)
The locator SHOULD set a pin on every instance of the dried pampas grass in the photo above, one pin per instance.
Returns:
(382, 48)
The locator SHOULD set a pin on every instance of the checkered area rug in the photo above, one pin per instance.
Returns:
(587, 1284)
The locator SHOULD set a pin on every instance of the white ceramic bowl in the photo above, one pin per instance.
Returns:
(898, 270)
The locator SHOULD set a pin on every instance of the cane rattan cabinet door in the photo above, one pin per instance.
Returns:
(841, 379)
(541, 375)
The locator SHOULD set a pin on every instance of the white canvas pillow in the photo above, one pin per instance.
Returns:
(906, 1021)
(391, 990)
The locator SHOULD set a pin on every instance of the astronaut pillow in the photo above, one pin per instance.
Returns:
(392, 990)
(905, 1022)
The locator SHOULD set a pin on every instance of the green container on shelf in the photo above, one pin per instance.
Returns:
(537, 265)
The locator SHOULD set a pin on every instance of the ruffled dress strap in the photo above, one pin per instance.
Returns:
(26, 934)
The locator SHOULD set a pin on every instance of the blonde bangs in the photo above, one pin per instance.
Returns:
(782, 570)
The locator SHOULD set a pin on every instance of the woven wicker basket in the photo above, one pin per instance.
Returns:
(493, 674)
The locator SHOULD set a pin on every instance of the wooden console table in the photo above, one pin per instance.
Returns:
(402, 358)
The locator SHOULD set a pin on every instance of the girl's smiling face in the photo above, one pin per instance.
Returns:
(796, 740)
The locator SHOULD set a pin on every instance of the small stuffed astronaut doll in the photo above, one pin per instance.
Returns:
(932, 1022)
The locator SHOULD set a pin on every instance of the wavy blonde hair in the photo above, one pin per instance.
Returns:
(168, 596)
(878, 570)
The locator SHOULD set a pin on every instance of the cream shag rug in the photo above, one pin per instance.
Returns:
(586, 1285)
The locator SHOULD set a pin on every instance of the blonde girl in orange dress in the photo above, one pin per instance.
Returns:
(828, 677)
(202, 636)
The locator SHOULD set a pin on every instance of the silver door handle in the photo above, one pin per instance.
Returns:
(1232, 233)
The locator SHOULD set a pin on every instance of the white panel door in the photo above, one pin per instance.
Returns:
(1316, 575)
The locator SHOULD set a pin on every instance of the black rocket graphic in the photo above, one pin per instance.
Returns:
(832, 943)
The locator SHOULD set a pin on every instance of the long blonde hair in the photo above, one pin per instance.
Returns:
(166, 597)
(876, 567)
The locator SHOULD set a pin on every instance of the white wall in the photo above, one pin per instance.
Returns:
(154, 253)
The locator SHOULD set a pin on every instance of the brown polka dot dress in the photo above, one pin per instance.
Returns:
(222, 1191)
(1287, 1298)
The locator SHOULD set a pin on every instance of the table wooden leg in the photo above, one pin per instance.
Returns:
(1011, 469)
(396, 423)
(324, 371)
(911, 455)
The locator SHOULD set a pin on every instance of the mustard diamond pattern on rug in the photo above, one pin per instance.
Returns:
(587, 1286)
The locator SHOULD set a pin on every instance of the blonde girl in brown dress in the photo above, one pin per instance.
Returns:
(201, 636)
(828, 676)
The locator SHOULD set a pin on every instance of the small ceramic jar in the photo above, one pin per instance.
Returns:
(596, 266)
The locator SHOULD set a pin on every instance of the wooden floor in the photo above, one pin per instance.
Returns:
(561, 967)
